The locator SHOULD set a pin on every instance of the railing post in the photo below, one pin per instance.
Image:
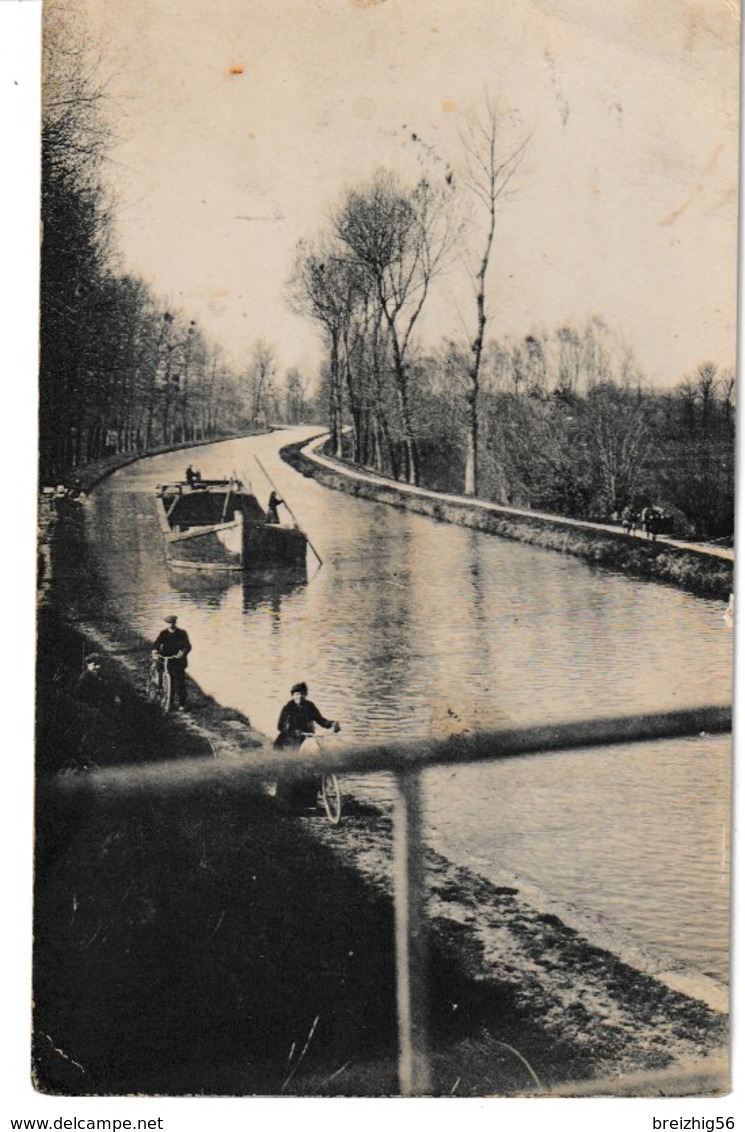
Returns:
(411, 937)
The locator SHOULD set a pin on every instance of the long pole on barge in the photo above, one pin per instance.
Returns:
(292, 516)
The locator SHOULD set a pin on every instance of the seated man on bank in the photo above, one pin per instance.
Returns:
(92, 688)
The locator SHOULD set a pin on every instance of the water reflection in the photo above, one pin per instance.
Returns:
(415, 628)
(261, 589)
(207, 590)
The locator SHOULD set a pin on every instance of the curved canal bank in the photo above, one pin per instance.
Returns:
(706, 571)
(163, 895)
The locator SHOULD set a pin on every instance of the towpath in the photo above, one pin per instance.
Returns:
(313, 453)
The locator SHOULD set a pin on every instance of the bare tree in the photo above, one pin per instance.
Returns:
(707, 380)
(618, 435)
(400, 239)
(568, 362)
(729, 388)
(490, 172)
(321, 287)
(296, 392)
(599, 350)
(259, 378)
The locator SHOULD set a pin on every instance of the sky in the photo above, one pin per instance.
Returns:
(240, 123)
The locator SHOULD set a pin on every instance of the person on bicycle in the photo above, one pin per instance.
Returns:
(298, 719)
(174, 643)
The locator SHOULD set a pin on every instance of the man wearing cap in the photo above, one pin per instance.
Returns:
(94, 727)
(174, 642)
(90, 687)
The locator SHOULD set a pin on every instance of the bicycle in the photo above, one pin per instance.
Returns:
(159, 686)
(328, 784)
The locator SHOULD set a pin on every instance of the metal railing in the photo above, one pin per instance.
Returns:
(406, 760)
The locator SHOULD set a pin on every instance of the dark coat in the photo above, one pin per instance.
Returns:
(93, 691)
(272, 515)
(298, 720)
(169, 643)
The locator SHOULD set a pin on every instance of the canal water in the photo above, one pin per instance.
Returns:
(412, 627)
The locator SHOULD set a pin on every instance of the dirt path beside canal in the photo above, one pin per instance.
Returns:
(707, 571)
(213, 945)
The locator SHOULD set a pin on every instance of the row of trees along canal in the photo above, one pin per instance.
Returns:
(559, 420)
(121, 368)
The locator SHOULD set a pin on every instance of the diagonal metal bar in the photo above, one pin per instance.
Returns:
(184, 776)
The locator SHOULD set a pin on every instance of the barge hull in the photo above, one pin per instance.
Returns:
(199, 536)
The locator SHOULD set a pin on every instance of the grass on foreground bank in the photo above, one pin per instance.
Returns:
(213, 945)
(195, 946)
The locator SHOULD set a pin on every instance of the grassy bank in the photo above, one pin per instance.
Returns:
(657, 561)
(196, 946)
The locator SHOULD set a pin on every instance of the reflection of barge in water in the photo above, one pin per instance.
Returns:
(218, 525)
(265, 589)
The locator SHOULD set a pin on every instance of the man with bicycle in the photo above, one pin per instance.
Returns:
(174, 643)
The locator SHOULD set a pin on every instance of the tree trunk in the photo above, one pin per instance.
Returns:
(470, 472)
(336, 401)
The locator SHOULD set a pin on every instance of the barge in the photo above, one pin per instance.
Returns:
(219, 525)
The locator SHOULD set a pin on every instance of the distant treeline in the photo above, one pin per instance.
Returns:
(570, 442)
(579, 439)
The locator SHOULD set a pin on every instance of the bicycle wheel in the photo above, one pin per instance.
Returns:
(152, 688)
(331, 795)
(166, 692)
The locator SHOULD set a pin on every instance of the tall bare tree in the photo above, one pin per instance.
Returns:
(490, 173)
(296, 392)
(259, 378)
